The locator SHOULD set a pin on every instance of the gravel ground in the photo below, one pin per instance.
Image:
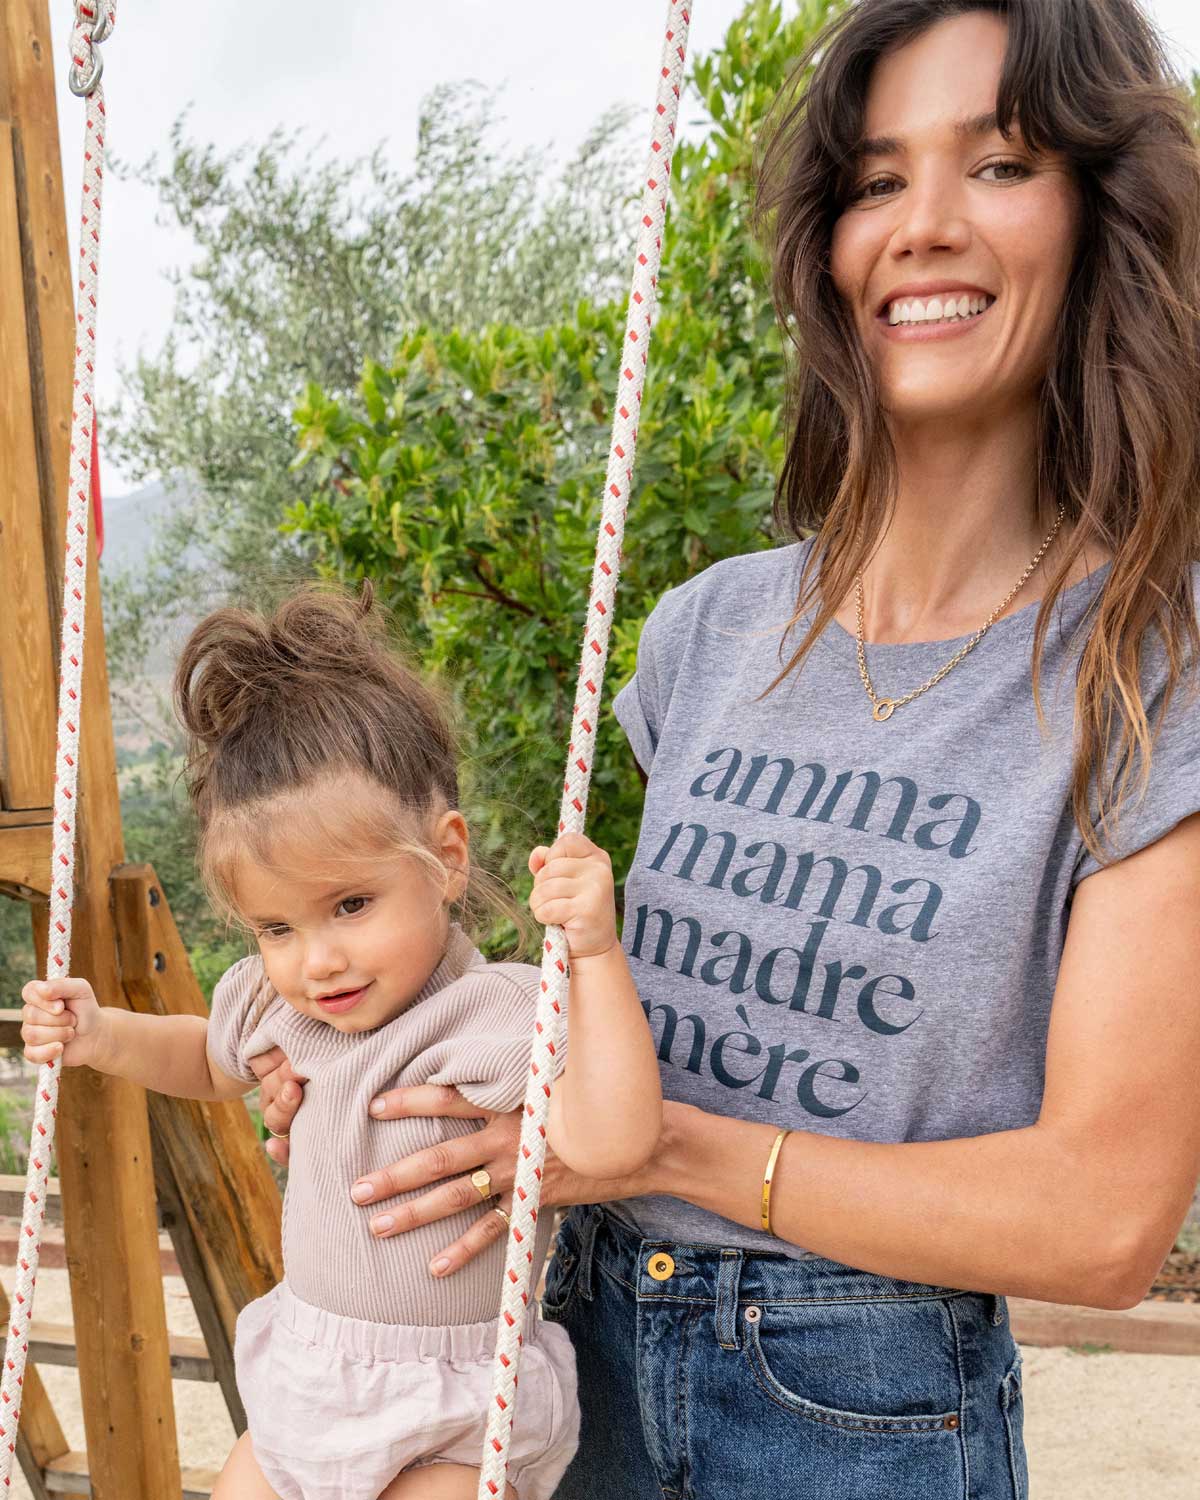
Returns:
(1096, 1425)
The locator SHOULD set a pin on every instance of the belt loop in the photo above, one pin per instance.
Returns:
(728, 1280)
(587, 1246)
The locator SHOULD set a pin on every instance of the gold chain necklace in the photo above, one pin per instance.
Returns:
(884, 708)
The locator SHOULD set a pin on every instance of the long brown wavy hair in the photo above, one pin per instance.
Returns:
(1119, 408)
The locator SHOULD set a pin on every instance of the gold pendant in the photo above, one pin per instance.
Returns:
(884, 709)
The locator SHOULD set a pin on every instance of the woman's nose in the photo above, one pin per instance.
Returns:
(932, 216)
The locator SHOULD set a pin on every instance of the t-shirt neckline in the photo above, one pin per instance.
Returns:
(1020, 621)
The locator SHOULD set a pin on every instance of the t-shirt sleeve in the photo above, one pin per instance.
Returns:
(641, 705)
(238, 1002)
(488, 1060)
(1173, 790)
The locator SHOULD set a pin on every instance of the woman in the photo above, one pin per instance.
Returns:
(915, 911)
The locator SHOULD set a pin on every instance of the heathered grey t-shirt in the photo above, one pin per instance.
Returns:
(847, 926)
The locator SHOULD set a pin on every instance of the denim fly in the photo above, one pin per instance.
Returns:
(716, 1374)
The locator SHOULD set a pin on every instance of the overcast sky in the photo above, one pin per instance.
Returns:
(356, 74)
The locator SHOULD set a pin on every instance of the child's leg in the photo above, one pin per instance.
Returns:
(241, 1478)
(436, 1482)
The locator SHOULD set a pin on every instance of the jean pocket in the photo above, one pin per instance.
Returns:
(1013, 1406)
(562, 1275)
(883, 1367)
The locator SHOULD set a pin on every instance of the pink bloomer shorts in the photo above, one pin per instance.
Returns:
(337, 1407)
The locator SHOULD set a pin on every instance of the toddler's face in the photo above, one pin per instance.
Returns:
(349, 942)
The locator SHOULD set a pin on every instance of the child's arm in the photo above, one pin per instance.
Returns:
(168, 1054)
(606, 1109)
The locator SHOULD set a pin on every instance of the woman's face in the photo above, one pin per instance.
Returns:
(954, 251)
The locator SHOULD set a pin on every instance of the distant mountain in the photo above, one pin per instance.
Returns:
(131, 521)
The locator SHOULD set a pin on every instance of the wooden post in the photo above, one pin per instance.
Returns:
(103, 1134)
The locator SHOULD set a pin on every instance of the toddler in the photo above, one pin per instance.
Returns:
(322, 771)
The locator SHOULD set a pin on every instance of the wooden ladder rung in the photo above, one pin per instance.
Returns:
(26, 842)
(10, 1030)
(12, 1197)
(68, 1475)
(54, 1344)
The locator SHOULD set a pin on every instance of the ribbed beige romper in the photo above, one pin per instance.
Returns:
(362, 1364)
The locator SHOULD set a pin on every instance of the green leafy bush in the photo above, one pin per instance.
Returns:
(465, 477)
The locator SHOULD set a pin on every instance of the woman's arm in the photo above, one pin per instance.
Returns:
(168, 1054)
(1082, 1206)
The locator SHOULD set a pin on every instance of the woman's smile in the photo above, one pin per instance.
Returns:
(938, 315)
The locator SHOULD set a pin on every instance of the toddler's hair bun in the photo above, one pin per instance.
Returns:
(237, 660)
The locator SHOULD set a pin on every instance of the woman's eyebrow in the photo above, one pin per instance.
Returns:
(966, 129)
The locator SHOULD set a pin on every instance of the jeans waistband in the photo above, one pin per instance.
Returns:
(730, 1279)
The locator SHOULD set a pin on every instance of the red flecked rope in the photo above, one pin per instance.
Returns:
(93, 21)
(551, 1014)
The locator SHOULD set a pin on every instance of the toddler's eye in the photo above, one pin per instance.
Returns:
(352, 905)
(274, 930)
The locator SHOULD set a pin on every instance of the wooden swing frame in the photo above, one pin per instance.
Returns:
(129, 1162)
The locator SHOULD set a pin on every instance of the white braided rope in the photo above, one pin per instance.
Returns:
(552, 1006)
(93, 22)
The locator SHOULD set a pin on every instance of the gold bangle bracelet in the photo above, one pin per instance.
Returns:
(776, 1147)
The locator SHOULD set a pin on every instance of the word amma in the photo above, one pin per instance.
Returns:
(777, 785)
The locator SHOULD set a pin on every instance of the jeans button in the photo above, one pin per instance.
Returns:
(661, 1266)
(753, 1314)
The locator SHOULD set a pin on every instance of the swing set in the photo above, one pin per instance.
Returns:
(131, 1163)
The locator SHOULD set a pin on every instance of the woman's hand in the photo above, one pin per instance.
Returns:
(282, 1093)
(495, 1148)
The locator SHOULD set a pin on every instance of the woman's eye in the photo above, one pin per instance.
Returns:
(1017, 167)
(880, 187)
(352, 905)
(867, 189)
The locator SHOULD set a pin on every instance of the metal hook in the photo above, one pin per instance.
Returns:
(82, 84)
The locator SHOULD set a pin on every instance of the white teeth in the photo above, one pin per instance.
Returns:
(935, 309)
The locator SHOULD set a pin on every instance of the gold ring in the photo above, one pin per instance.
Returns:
(482, 1181)
(504, 1215)
(280, 1135)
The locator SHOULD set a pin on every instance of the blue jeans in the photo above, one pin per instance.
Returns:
(716, 1374)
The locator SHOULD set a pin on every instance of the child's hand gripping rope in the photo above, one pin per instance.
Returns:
(62, 1019)
(573, 889)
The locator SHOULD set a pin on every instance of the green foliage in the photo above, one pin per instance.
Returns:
(160, 830)
(465, 475)
(16, 1119)
(17, 963)
(305, 267)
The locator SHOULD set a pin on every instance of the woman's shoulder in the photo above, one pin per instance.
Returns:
(749, 588)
